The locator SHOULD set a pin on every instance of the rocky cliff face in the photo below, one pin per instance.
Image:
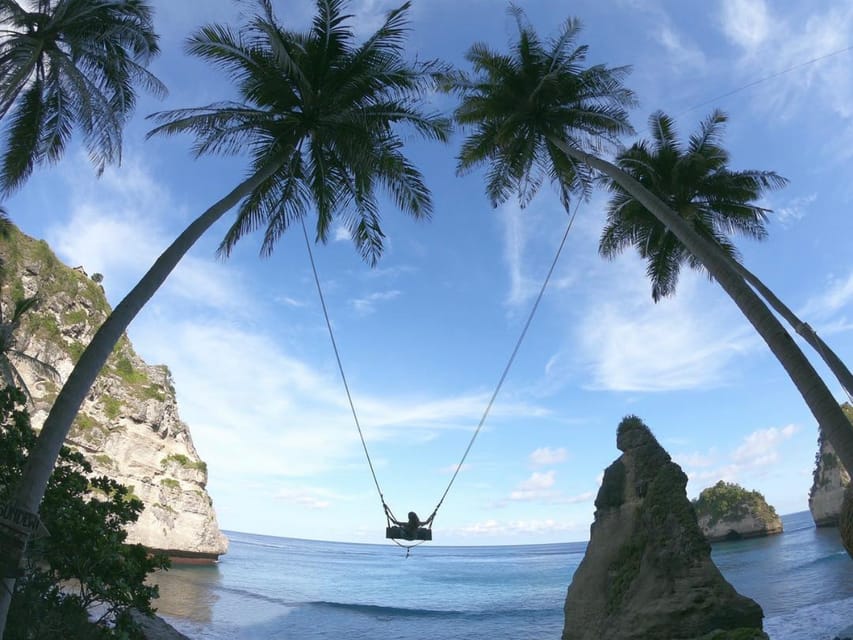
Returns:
(830, 481)
(727, 511)
(647, 573)
(128, 426)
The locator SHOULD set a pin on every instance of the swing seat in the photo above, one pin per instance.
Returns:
(397, 532)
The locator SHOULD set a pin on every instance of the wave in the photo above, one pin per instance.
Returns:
(380, 611)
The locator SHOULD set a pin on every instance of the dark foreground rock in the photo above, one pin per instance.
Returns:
(647, 573)
(155, 628)
(845, 521)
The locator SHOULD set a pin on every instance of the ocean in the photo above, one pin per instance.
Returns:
(283, 588)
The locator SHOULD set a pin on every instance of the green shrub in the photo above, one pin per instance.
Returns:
(84, 564)
(170, 483)
(183, 461)
(112, 407)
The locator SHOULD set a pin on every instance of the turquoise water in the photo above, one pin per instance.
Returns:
(277, 588)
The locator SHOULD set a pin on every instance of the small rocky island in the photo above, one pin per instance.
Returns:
(830, 482)
(647, 573)
(727, 511)
(128, 427)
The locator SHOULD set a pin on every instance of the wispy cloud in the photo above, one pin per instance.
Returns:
(632, 344)
(746, 23)
(125, 233)
(544, 456)
(794, 210)
(759, 447)
(757, 451)
(837, 295)
(367, 304)
(540, 487)
(683, 53)
(310, 497)
(522, 527)
(770, 45)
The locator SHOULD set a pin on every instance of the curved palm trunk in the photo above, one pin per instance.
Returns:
(835, 364)
(820, 401)
(30, 491)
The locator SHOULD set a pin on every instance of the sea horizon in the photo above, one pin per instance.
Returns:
(438, 544)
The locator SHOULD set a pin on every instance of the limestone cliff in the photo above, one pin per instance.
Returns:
(128, 426)
(647, 572)
(727, 511)
(830, 481)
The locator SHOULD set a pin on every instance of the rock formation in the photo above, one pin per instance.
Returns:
(727, 511)
(128, 427)
(830, 481)
(647, 573)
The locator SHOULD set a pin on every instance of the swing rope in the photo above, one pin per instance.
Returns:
(341, 367)
(509, 362)
(389, 515)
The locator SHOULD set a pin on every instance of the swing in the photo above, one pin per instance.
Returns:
(413, 530)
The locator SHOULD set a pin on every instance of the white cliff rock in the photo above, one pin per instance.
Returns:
(830, 481)
(128, 427)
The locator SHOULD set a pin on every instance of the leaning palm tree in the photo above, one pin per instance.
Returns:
(11, 353)
(319, 117)
(67, 64)
(695, 181)
(538, 111)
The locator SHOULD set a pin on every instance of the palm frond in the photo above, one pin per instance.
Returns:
(23, 147)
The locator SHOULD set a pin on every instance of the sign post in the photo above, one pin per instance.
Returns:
(16, 527)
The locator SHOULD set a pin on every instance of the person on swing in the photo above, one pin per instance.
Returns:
(411, 526)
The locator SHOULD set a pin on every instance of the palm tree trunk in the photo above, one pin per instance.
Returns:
(817, 396)
(835, 364)
(30, 490)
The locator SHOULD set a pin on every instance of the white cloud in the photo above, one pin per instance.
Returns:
(310, 497)
(340, 234)
(124, 235)
(451, 469)
(546, 455)
(804, 58)
(837, 296)
(756, 452)
(746, 22)
(367, 305)
(539, 487)
(794, 210)
(760, 447)
(522, 527)
(632, 344)
(531, 236)
(682, 51)
(291, 302)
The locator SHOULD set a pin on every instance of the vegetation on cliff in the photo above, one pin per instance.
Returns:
(728, 501)
(83, 565)
(827, 460)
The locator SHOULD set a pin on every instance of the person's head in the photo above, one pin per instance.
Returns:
(413, 518)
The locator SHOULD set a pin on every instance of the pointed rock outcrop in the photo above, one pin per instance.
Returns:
(647, 573)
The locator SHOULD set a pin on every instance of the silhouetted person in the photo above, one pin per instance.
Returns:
(410, 527)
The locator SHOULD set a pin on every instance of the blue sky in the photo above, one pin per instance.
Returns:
(425, 335)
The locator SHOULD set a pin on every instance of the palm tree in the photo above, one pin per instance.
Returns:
(10, 351)
(319, 117)
(695, 181)
(537, 111)
(67, 63)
